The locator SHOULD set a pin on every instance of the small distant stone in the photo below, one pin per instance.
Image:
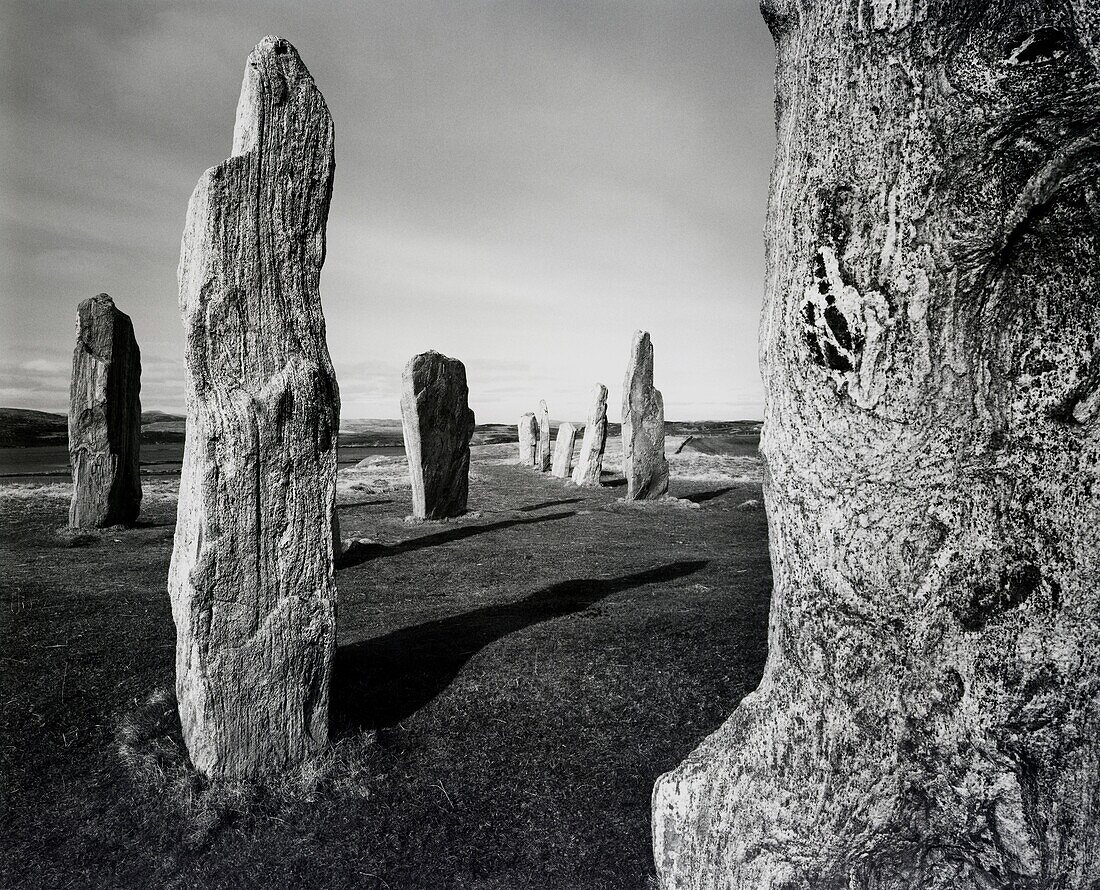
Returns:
(542, 458)
(563, 450)
(528, 439)
(590, 462)
(643, 419)
(105, 417)
(438, 424)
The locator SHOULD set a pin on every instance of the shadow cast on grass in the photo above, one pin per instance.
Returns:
(381, 681)
(351, 504)
(534, 507)
(359, 552)
(702, 497)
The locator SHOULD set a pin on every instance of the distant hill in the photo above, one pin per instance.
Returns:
(19, 426)
(160, 417)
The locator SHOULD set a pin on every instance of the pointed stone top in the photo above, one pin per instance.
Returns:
(274, 77)
(98, 298)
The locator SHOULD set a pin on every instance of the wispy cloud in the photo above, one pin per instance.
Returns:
(520, 185)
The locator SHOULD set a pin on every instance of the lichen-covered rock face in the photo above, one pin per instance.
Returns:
(105, 417)
(563, 451)
(590, 460)
(438, 423)
(928, 716)
(644, 463)
(251, 580)
(542, 453)
(528, 439)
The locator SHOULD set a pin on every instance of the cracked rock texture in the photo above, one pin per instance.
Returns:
(930, 711)
(644, 463)
(590, 460)
(438, 423)
(251, 579)
(528, 439)
(563, 451)
(542, 453)
(105, 417)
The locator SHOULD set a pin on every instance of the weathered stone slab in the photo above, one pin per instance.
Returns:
(928, 716)
(437, 423)
(528, 439)
(563, 450)
(105, 417)
(590, 460)
(251, 580)
(644, 463)
(542, 457)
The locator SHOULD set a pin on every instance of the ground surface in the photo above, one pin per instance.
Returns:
(508, 686)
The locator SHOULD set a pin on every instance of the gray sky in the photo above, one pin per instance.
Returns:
(519, 185)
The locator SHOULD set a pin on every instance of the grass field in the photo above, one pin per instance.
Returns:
(507, 688)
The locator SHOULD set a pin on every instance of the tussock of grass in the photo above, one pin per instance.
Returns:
(150, 749)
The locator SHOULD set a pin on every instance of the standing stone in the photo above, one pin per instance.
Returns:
(528, 439)
(251, 580)
(438, 423)
(590, 462)
(542, 458)
(563, 450)
(104, 417)
(929, 716)
(644, 463)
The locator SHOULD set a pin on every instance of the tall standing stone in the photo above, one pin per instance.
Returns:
(438, 423)
(590, 461)
(929, 716)
(251, 580)
(644, 463)
(563, 450)
(105, 417)
(528, 439)
(542, 458)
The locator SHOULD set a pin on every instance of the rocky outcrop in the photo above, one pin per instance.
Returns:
(929, 716)
(563, 451)
(590, 460)
(542, 454)
(251, 579)
(528, 439)
(438, 423)
(105, 417)
(644, 463)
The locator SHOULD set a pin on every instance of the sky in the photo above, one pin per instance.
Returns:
(520, 185)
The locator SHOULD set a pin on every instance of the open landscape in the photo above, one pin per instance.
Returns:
(508, 684)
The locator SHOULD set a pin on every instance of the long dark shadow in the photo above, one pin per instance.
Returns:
(351, 504)
(359, 552)
(380, 682)
(701, 497)
(532, 507)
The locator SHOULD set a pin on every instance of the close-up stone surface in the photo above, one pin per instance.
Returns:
(542, 453)
(528, 439)
(643, 419)
(251, 578)
(563, 451)
(105, 417)
(929, 715)
(590, 460)
(437, 423)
